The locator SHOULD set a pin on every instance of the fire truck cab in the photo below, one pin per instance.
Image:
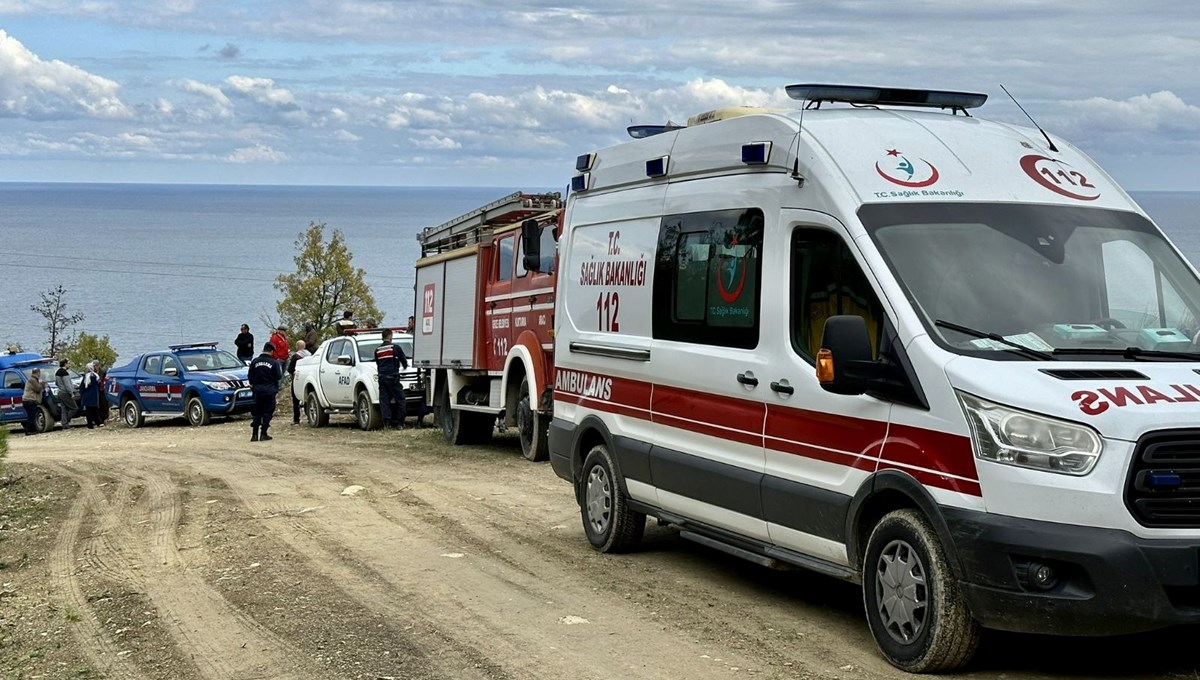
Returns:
(947, 358)
(483, 333)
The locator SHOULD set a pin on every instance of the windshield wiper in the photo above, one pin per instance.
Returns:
(1018, 347)
(1131, 353)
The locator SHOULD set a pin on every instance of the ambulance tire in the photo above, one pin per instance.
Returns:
(131, 413)
(611, 526)
(366, 413)
(929, 628)
(313, 413)
(43, 420)
(533, 427)
(197, 414)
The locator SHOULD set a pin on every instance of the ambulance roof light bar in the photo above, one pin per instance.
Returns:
(856, 95)
(644, 131)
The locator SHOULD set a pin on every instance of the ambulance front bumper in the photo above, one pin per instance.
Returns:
(1040, 577)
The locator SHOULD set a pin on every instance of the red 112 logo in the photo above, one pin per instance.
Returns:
(1059, 178)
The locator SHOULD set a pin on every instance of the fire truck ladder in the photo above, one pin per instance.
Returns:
(473, 227)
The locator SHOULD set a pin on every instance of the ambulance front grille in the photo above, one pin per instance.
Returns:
(1164, 480)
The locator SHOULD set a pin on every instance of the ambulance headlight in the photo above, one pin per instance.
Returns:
(1006, 435)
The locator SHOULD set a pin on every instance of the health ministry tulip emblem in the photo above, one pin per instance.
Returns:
(898, 169)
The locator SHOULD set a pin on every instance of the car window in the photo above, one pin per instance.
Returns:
(334, 351)
(152, 364)
(170, 362)
(12, 380)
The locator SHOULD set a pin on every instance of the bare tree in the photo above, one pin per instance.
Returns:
(53, 308)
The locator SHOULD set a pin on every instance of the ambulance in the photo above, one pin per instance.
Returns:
(885, 340)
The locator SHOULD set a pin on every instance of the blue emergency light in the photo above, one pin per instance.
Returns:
(657, 167)
(644, 131)
(886, 96)
(581, 182)
(192, 345)
(756, 153)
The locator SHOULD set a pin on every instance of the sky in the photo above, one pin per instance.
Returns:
(466, 93)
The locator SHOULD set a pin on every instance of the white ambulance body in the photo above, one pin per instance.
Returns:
(1006, 432)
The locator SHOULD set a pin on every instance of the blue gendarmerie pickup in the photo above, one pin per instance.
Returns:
(196, 380)
(14, 370)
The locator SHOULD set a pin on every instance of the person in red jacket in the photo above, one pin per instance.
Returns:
(280, 342)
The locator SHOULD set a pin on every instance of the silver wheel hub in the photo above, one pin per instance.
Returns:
(901, 591)
(598, 499)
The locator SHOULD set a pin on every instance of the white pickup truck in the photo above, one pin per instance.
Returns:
(341, 377)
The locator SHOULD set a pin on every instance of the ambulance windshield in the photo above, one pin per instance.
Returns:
(1086, 282)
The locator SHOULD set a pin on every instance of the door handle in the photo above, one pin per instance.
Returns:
(747, 379)
(782, 388)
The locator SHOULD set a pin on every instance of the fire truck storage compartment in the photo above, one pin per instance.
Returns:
(451, 339)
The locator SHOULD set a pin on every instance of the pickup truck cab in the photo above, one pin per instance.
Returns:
(194, 380)
(14, 371)
(341, 377)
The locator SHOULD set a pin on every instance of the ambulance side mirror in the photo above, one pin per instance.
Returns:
(844, 363)
(531, 245)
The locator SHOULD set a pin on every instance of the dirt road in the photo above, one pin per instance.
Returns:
(177, 552)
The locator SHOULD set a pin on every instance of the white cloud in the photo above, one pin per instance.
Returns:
(33, 88)
(346, 136)
(435, 142)
(259, 153)
(1162, 110)
(261, 90)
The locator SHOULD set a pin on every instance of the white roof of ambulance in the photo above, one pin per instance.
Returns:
(852, 156)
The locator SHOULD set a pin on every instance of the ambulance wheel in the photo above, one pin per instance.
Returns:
(914, 607)
(611, 526)
(43, 420)
(366, 412)
(197, 414)
(131, 413)
(313, 413)
(533, 427)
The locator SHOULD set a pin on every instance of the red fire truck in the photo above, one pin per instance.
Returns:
(485, 320)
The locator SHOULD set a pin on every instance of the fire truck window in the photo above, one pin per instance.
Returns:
(504, 259)
(548, 247)
(827, 281)
(706, 283)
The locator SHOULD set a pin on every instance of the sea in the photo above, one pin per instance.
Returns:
(150, 265)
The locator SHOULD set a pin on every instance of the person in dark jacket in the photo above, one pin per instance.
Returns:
(90, 395)
(31, 399)
(389, 357)
(245, 344)
(310, 337)
(299, 354)
(67, 408)
(265, 376)
(346, 322)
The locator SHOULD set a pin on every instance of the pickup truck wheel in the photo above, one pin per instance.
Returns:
(914, 607)
(366, 412)
(131, 413)
(197, 414)
(313, 413)
(610, 525)
(533, 427)
(43, 420)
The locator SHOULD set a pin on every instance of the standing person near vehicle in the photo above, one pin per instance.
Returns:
(280, 342)
(265, 376)
(310, 336)
(412, 324)
(346, 322)
(245, 344)
(90, 395)
(31, 399)
(66, 394)
(102, 412)
(389, 358)
(300, 353)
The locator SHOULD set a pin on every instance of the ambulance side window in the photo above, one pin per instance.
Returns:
(504, 259)
(707, 278)
(827, 281)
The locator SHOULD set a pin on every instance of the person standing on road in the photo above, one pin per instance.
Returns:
(265, 376)
(31, 399)
(389, 357)
(66, 394)
(245, 344)
(300, 353)
(280, 341)
(90, 395)
(346, 322)
(310, 337)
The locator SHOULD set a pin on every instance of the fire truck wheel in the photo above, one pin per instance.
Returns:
(313, 413)
(463, 427)
(533, 427)
(131, 413)
(197, 414)
(366, 412)
(43, 420)
(914, 607)
(611, 526)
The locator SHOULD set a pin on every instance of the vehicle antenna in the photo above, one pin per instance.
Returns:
(1031, 120)
(796, 161)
